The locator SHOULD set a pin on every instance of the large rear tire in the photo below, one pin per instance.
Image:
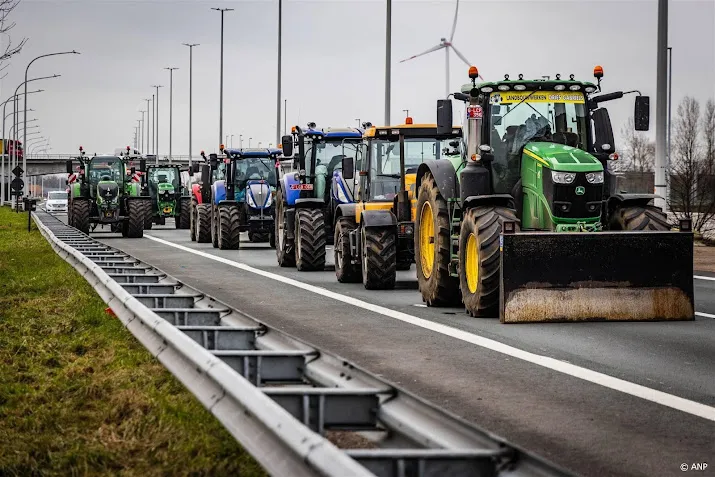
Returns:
(639, 217)
(214, 227)
(203, 223)
(80, 215)
(285, 248)
(433, 236)
(345, 270)
(479, 259)
(229, 234)
(310, 240)
(379, 258)
(137, 211)
(192, 220)
(184, 217)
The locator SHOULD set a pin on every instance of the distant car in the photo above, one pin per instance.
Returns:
(56, 202)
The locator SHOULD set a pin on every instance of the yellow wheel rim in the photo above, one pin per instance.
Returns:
(427, 240)
(472, 266)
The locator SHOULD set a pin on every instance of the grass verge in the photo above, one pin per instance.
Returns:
(78, 394)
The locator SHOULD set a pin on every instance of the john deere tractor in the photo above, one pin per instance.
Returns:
(374, 235)
(530, 226)
(242, 198)
(308, 196)
(168, 197)
(105, 194)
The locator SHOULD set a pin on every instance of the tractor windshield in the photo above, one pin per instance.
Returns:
(519, 117)
(163, 175)
(384, 167)
(254, 168)
(111, 169)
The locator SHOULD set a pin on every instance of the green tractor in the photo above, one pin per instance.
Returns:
(529, 225)
(104, 194)
(169, 198)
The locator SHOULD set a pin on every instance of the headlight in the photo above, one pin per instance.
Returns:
(563, 177)
(250, 201)
(269, 201)
(595, 177)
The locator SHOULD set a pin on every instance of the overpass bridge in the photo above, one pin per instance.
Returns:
(44, 164)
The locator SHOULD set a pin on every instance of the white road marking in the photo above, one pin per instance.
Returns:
(701, 277)
(421, 305)
(627, 387)
(704, 315)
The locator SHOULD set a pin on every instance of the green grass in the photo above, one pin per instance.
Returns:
(78, 394)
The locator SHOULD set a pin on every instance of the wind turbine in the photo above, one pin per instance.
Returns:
(443, 43)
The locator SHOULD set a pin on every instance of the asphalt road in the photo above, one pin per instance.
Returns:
(587, 422)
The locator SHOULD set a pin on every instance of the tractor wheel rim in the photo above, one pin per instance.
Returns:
(427, 240)
(339, 250)
(472, 266)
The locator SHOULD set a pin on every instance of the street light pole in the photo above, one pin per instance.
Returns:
(278, 97)
(232, 140)
(191, 77)
(388, 60)
(249, 142)
(148, 121)
(141, 133)
(240, 141)
(24, 158)
(156, 123)
(220, 114)
(670, 97)
(661, 113)
(153, 120)
(171, 105)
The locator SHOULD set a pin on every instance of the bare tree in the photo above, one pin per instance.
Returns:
(693, 164)
(11, 49)
(637, 153)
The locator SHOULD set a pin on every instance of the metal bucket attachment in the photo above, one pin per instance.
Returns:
(614, 276)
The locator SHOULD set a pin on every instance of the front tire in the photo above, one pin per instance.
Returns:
(433, 254)
(310, 240)
(192, 220)
(184, 217)
(379, 258)
(203, 223)
(479, 261)
(345, 270)
(80, 215)
(229, 234)
(645, 218)
(214, 226)
(285, 248)
(137, 211)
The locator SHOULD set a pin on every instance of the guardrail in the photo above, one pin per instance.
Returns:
(278, 395)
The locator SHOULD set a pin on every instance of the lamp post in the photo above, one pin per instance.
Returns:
(670, 98)
(232, 140)
(388, 60)
(73, 52)
(240, 141)
(141, 133)
(5, 147)
(278, 93)
(191, 77)
(249, 142)
(661, 105)
(153, 116)
(220, 114)
(156, 122)
(148, 121)
(171, 104)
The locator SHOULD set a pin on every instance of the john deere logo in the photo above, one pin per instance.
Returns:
(580, 190)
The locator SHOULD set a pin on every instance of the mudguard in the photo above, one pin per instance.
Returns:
(309, 203)
(196, 193)
(378, 218)
(582, 276)
(345, 210)
(631, 199)
(226, 203)
(291, 195)
(472, 201)
(444, 175)
(218, 191)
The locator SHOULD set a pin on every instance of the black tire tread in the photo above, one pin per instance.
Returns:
(137, 212)
(486, 221)
(644, 218)
(380, 258)
(192, 219)
(203, 224)
(310, 238)
(80, 215)
(229, 234)
(350, 272)
(184, 217)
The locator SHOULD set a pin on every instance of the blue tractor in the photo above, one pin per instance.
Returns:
(242, 199)
(308, 196)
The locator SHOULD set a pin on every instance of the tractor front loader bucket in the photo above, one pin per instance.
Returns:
(596, 276)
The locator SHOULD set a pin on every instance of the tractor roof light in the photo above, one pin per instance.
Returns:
(613, 156)
(486, 89)
(221, 147)
(503, 87)
(598, 72)
(560, 87)
(575, 87)
(80, 149)
(519, 87)
(473, 72)
(589, 89)
(408, 120)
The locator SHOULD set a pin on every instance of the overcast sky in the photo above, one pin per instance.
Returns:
(333, 60)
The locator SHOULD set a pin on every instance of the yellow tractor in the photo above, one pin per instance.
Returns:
(374, 235)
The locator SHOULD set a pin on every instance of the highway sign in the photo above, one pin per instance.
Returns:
(17, 171)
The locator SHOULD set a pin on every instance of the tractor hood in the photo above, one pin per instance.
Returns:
(107, 190)
(560, 157)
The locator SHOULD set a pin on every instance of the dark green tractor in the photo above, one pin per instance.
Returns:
(104, 194)
(530, 225)
(169, 198)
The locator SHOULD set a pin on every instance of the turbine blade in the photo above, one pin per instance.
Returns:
(434, 48)
(454, 23)
(463, 58)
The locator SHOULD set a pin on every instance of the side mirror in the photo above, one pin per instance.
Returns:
(348, 168)
(205, 176)
(69, 167)
(444, 116)
(142, 165)
(287, 145)
(213, 161)
(195, 167)
(496, 109)
(641, 115)
(603, 133)
(133, 170)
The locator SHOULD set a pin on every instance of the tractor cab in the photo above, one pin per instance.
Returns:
(103, 171)
(254, 175)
